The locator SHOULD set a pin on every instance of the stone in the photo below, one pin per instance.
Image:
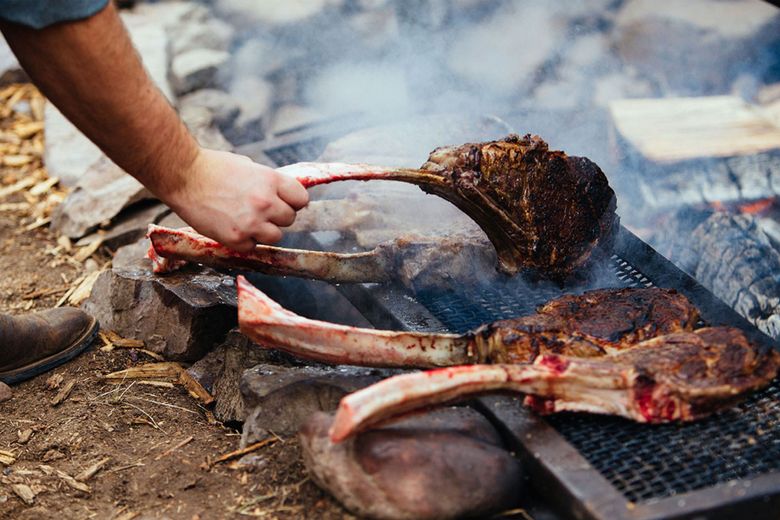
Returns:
(68, 154)
(254, 97)
(289, 117)
(223, 107)
(200, 122)
(10, 70)
(503, 53)
(197, 68)
(100, 195)
(180, 315)
(130, 226)
(151, 41)
(271, 12)
(211, 33)
(220, 372)
(280, 398)
(697, 46)
(446, 463)
(5, 392)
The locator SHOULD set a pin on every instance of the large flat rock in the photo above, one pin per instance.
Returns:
(220, 372)
(447, 463)
(281, 398)
(180, 315)
(102, 192)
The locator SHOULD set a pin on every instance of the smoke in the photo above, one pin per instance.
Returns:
(551, 68)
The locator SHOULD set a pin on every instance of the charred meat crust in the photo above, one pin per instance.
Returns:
(544, 211)
(578, 326)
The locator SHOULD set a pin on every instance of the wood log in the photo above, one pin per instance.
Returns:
(733, 257)
(696, 150)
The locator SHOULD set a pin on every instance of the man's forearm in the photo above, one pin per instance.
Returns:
(91, 72)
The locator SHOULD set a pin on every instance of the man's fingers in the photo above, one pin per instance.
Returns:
(282, 214)
(292, 192)
(243, 246)
(267, 233)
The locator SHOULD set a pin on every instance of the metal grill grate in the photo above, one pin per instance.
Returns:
(305, 150)
(643, 462)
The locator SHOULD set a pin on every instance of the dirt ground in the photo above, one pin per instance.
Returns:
(158, 443)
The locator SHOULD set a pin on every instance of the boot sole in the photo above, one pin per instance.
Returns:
(44, 365)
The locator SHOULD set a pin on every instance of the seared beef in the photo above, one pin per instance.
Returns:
(592, 324)
(543, 210)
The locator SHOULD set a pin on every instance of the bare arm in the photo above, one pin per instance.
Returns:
(91, 72)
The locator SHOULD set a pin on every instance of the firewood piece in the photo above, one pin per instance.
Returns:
(63, 393)
(697, 150)
(243, 451)
(166, 371)
(732, 257)
(220, 371)
(174, 448)
(7, 458)
(92, 470)
(72, 482)
(24, 492)
(194, 388)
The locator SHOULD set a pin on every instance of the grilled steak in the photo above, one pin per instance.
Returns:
(542, 209)
(592, 324)
(628, 352)
(583, 326)
(544, 212)
(677, 377)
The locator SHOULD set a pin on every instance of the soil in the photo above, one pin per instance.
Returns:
(159, 442)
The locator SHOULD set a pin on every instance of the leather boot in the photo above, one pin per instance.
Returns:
(34, 343)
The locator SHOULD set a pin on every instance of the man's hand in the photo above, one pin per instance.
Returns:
(89, 69)
(235, 201)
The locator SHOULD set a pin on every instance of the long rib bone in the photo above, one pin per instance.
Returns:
(190, 246)
(417, 261)
(492, 218)
(677, 377)
(268, 323)
(516, 341)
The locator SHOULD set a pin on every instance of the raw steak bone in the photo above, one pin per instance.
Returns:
(542, 210)
(268, 323)
(575, 325)
(170, 248)
(677, 377)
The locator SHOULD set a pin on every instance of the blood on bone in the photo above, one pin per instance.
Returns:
(556, 363)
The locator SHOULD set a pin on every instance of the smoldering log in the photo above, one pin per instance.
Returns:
(685, 151)
(734, 258)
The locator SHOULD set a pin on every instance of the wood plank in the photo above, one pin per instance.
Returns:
(668, 130)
